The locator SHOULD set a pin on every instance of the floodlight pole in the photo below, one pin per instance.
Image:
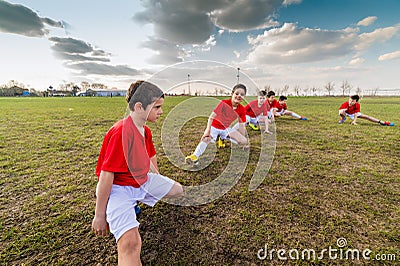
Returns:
(238, 69)
(188, 83)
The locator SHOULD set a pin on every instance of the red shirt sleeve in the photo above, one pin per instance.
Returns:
(275, 104)
(344, 105)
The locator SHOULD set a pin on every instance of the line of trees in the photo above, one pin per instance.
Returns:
(328, 90)
(15, 88)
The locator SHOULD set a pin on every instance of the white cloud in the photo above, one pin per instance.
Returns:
(291, 44)
(378, 35)
(291, 2)
(356, 61)
(367, 21)
(237, 54)
(389, 56)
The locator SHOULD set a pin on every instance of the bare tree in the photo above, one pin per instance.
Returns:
(297, 90)
(314, 90)
(85, 85)
(267, 88)
(305, 90)
(330, 87)
(285, 89)
(374, 91)
(98, 86)
(346, 88)
(359, 91)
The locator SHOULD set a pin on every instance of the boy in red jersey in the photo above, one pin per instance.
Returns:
(352, 109)
(218, 126)
(257, 112)
(280, 108)
(123, 170)
(271, 101)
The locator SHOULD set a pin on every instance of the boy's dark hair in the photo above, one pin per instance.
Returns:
(355, 97)
(262, 93)
(239, 86)
(282, 98)
(143, 92)
(270, 93)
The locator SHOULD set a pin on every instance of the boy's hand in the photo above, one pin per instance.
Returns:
(353, 123)
(100, 226)
(206, 138)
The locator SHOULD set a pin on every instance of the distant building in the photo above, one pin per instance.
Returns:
(102, 93)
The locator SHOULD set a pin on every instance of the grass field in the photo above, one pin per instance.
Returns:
(327, 181)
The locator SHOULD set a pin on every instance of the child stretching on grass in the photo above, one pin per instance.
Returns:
(352, 108)
(219, 121)
(280, 108)
(271, 100)
(257, 112)
(123, 171)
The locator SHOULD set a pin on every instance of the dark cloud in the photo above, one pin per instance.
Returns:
(18, 19)
(185, 22)
(246, 15)
(168, 53)
(70, 45)
(86, 59)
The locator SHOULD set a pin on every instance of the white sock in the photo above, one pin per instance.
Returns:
(296, 115)
(200, 149)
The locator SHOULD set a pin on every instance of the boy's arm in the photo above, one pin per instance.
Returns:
(153, 164)
(208, 128)
(242, 128)
(355, 119)
(99, 224)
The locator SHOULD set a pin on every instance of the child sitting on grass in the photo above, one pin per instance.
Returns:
(279, 108)
(257, 112)
(218, 126)
(352, 108)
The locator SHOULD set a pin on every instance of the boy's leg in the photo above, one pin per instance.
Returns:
(342, 114)
(158, 187)
(293, 114)
(370, 118)
(201, 147)
(129, 246)
(176, 191)
(237, 136)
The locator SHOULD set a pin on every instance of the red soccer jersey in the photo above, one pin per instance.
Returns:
(279, 106)
(275, 104)
(126, 153)
(351, 109)
(226, 115)
(253, 110)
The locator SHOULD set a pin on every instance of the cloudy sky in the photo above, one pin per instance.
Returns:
(305, 43)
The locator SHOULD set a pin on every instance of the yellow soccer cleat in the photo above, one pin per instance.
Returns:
(254, 127)
(220, 143)
(191, 159)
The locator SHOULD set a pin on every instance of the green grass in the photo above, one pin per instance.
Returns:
(326, 181)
